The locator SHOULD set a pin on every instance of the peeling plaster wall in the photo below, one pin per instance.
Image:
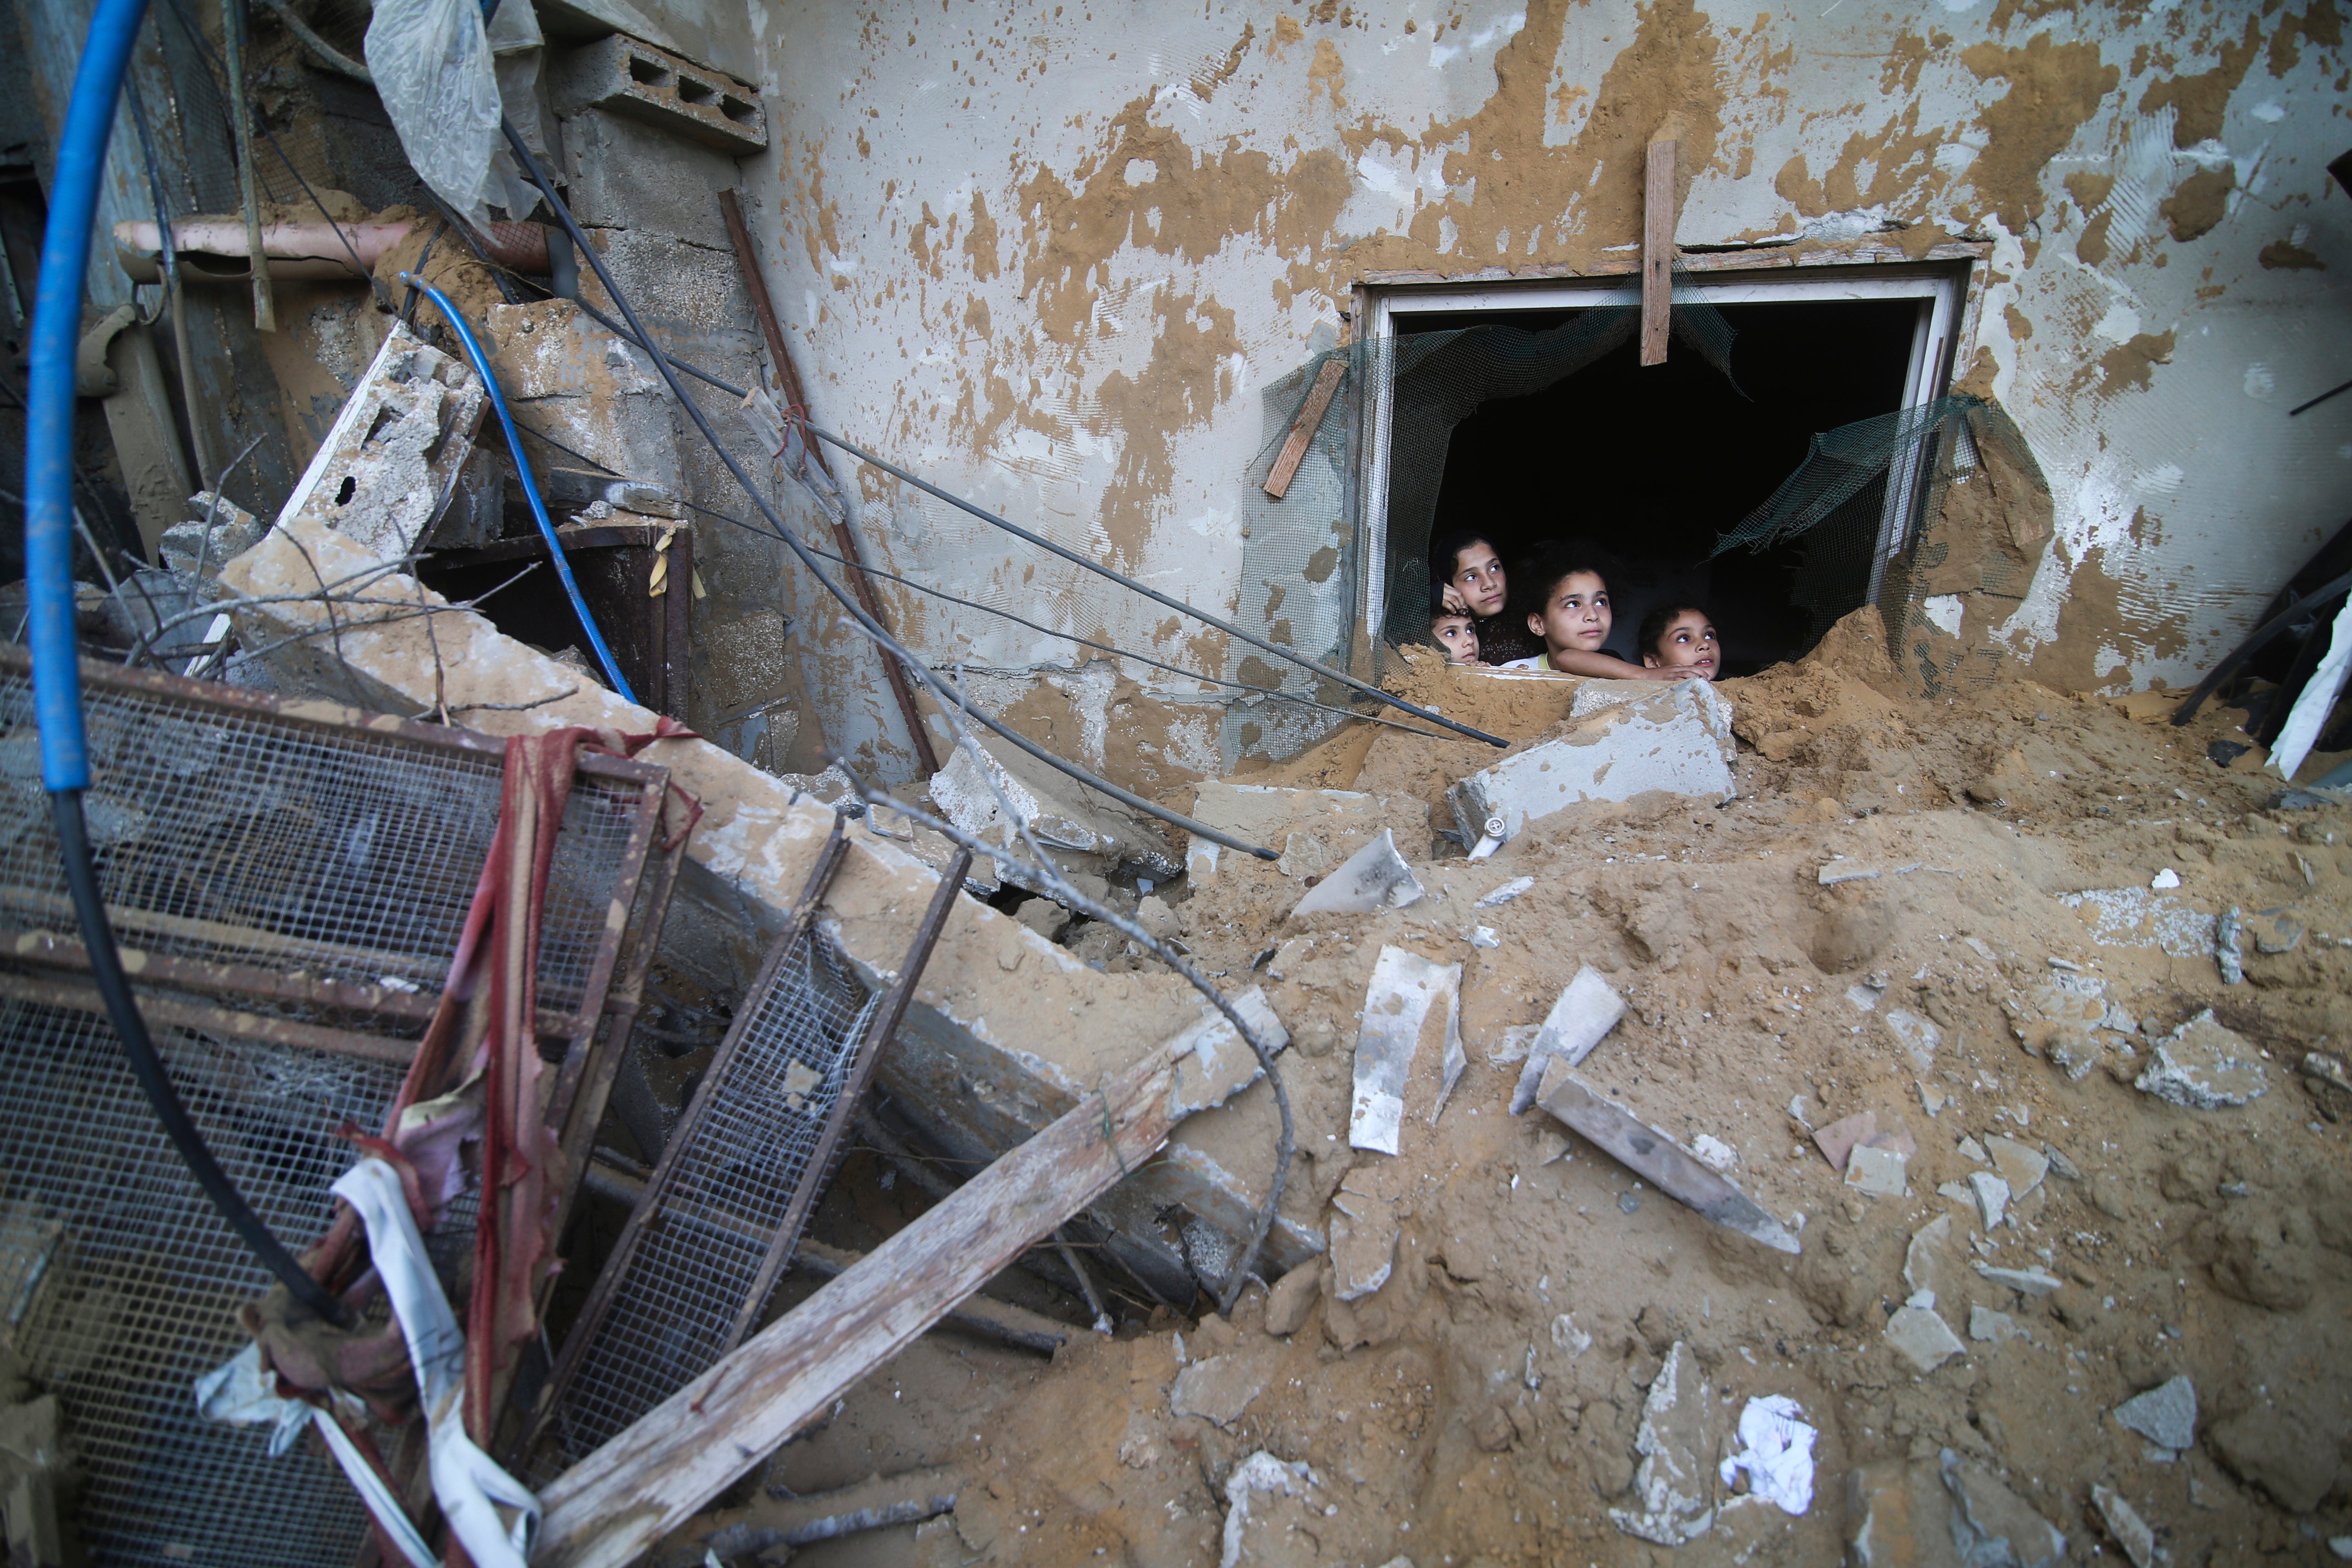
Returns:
(1048, 253)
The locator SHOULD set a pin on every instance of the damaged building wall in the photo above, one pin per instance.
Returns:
(1051, 255)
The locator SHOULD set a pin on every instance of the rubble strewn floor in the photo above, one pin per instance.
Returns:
(1880, 922)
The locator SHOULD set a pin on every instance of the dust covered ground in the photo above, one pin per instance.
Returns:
(1483, 1405)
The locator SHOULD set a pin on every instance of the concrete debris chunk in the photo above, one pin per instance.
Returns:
(2205, 1066)
(1876, 1171)
(1213, 1063)
(2229, 945)
(231, 531)
(1670, 1483)
(1991, 1525)
(392, 456)
(2024, 1281)
(1406, 995)
(2164, 1414)
(1314, 829)
(1678, 740)
(1924, 1258)
(2124, 1524)
(2020, 1165)
(2136, 917)
(1218, 1388)
(1292, 1300)
(1838, 1141)
(1899, 1515)
(1266, 1501)
(1373, 877)
(1987, 1327)
(1363, 1237)
(1580, 1019)
(1506, 892)
(1568, 1339)
(1714, 1153)
(1916, 1035)
(1081, 832)
(1922, 1338)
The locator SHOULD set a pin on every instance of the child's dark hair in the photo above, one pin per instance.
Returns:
(1655, 624)
(1554, 560)
(1446, 553)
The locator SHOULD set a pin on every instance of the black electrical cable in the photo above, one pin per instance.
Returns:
(872, 628)
(147, 1066)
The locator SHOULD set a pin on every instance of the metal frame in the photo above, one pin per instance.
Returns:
(377, 1022)
(1946, 326)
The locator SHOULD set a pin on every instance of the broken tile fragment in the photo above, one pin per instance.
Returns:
(1840, 1138)
(1923, 1259)
(1922, 1338)
(2020, 1165)
(1991, 1196)
(1991, 1525)
(1405, 989)
(1987, 1327)
(1878, 1172)
(1586, 1009)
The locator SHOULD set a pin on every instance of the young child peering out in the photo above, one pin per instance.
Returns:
(1456, 637)
(1681, 638)
(1572, 616)
(1470, 581)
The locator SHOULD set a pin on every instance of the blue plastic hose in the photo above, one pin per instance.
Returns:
(529, 486)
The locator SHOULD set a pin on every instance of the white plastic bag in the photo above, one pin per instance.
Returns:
(434, 71)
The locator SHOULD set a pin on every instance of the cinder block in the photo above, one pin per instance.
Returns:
(636, 80)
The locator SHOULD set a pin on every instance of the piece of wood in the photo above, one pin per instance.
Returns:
(1303, 428)
(617, 1502)
(1650, 1153)
(747, 259)
(1658, 253)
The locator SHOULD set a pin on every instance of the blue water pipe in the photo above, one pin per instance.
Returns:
(529, 486)
(48, 579)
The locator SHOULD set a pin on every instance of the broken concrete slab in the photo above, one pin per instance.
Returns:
(1671, 1497)
(1079, 829)
(1580, 1019)
(1922, 1338)
(1991, 1525)
(1218, 1388)
(1313, 829)
(1213, 1063)
(1678, 740)
(1406, 995)
(219, 531)
(989, 1053)
(572, 381)
(392, 456)
(2204, 1066)
(1920, 1038)
(1374, 877)
(2164, 1414)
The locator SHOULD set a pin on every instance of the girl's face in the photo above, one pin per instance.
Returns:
(1576, 618)
(1688, 643)
(1458, 636)
(1478, 576)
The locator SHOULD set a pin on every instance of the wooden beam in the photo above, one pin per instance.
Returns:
(1658, 253)
(1303, 428)
(613, 1505)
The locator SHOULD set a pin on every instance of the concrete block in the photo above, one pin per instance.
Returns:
(1214, 1063)
(629, 78)
(1081, 829)
(1678, 740)
(629, 174)
(2204, 1066)
(1313, 829)
(568, 377)
(1407, 996)
(393, 453)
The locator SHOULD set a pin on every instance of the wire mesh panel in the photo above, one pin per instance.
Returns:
(730, 1185)
(228, 832)
(126, 1281)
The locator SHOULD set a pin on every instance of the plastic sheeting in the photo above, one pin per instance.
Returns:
(436, 70)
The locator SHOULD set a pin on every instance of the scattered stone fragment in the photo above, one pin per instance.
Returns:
(2130, 1532)
(1506, 892)
(2341, 1546)
(2074, 1052)
(1628, 1202)
(2228, 946)
(1292, 1300)
(1267, 1502)
(1922, 1338)
(2205, 1066)
(1670, 1483)
(1845, 870)
(1916, 1035)
(1992, 1194)
(1931, 1100)
(1954, 1191)
(1044, 916)
(2275, 933)
(2020, 1165)
(1714, 1153)
(1864, 997)
(1987, 1327)
(1972, 1150)
(1483, 937)
(1899, 1515)
(2166, 1414)
(1878, 1172)
(2024, 1281)
(1363, 1236)
(1991, 1525)
(1219, 1388)
(2062, 1168)
(1923, 1259)
(1841, 1138)
(2164, 880)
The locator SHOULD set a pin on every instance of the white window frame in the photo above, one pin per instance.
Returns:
(1940, 289)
